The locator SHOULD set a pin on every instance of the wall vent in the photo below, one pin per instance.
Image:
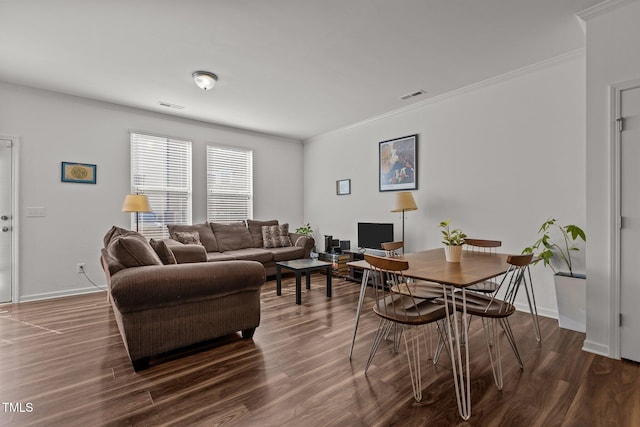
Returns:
(413, 94)
(170, 105)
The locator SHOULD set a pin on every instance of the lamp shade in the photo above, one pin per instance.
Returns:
(136, 203)
(404, 202)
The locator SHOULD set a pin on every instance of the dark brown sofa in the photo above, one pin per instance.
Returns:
(238, 241)
(159, 307)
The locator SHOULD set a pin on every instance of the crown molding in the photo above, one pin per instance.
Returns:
(602, 8)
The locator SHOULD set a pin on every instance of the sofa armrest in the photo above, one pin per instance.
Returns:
(303, 241)
(150, 287)
(185, 254)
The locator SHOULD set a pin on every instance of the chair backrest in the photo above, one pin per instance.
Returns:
(392, 248)
(514, 277)
(482, 245)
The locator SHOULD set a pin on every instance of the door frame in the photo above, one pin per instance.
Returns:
(616, 215)
(15, 217)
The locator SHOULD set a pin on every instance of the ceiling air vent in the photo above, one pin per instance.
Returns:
(168, 104)
(413, 94)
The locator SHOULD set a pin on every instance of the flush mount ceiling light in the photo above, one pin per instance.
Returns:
(204, 79)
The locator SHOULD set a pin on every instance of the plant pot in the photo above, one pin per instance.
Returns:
(571, 295)
(453, 253)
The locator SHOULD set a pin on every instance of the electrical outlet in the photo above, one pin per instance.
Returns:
(80, 267)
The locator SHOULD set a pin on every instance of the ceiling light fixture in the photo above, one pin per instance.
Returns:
(204, 79)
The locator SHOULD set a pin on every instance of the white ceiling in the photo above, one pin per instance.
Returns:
(296, 68)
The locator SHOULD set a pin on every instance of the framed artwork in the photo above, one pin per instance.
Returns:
(343, 187)
(82, 173)
(398, 164)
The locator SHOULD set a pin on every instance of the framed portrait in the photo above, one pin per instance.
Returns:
(343, 187)
(82, 173)
(398, 164)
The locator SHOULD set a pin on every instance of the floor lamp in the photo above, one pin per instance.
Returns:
(404, 202)
(136, 203)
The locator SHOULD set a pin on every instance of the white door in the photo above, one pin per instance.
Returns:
(630, 231)
(6, 231)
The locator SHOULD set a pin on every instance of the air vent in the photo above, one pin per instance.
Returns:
(413, 94)
(168, 104)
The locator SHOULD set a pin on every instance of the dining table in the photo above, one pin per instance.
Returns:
(431, 265)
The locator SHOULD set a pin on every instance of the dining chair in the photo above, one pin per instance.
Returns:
(494, 312)
(490, 286)
(396, 304)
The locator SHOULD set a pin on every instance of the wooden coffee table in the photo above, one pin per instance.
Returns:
(300, 266)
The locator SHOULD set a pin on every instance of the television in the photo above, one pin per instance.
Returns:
(371, 235)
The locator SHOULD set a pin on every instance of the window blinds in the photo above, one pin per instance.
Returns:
(161, 169)
(229, 184)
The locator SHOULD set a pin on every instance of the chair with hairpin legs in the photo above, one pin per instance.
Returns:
(395, 304)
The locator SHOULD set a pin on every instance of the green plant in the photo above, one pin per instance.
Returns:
(451, 237)
(305, 230)
(544, 248)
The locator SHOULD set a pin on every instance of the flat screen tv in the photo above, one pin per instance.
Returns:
(371, 235)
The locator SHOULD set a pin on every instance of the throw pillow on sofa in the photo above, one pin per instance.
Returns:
(207, 238)
(133, 250)
(255, 229)
(276, 236)
(188, 237)
(164, 253)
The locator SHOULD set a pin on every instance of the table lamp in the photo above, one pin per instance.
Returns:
(404, 202)
(136, 203)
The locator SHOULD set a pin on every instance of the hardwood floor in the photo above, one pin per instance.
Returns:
(65, 359)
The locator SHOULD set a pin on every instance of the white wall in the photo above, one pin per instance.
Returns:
(498, 159)
(54, 128)
(612, 46)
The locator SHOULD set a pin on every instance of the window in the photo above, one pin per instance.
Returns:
(229, 184)
(161, 169)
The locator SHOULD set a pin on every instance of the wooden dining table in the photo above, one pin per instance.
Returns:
(431, 265)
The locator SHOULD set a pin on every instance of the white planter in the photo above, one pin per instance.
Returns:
(453, 253)
(571, 294)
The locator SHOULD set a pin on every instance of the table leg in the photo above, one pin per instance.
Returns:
(308, 277)
(329, 282)
(363, 289)
(460, 364)
(278, 280)
(298, 287)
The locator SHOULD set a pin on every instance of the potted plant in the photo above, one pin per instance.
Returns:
(452, 240)
(571, 287)
(306, 230)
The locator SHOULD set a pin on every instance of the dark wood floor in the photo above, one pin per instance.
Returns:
(66, 359)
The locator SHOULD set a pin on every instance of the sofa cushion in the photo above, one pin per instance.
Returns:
(276, 236)
(115, 231)
(164, 252)
(255, 229)
(133, 251)
(232, 236)
(219, 256)
(187, 237)
(287, 253)
(251, 254)
(207, 237)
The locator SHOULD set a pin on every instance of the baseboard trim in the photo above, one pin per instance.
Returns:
(542, 311)
(596, 348)
(59, 294)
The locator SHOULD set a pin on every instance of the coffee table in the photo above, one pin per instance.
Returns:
(300, 266)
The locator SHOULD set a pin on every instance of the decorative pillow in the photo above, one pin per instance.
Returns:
(164, 252)
(188, 237)
(207, 238)
(116, 231)
(276, 236)
(232, 236)
(133, 251)
(255, 229)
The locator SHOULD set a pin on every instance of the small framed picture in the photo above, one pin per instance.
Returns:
(343, 187)
(82, 173)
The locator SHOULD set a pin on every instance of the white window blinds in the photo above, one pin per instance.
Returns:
(161, 169)
(229, 184)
